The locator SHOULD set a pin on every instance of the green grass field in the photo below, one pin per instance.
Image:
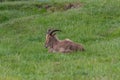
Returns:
(95, 24)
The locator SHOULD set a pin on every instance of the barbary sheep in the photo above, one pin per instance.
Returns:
(63, 46)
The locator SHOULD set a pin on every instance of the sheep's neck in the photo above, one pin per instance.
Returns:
(54, 42)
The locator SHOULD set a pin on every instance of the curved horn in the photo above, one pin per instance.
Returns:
(51, 32)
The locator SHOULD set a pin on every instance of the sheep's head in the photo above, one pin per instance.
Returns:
(50, 37)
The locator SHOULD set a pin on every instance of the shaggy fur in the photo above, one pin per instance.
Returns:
(63, 46)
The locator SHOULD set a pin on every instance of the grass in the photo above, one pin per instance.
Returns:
(96, 25)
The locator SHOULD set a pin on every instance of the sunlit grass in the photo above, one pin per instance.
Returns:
(96, 25)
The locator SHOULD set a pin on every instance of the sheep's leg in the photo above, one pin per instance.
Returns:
(50, 50)
(66, 51)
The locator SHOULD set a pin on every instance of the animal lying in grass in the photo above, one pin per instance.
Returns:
(63, 46)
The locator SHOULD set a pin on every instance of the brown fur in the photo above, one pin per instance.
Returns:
(62, 46)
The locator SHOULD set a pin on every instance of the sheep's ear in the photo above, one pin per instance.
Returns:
(48, 31)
